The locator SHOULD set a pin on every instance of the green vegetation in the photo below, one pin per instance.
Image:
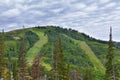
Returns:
(97, 63)
(33, 51)
(111, 72)
(81, 52)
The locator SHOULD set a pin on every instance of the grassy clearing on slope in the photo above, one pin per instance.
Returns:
(37, 46)
(96, 62)
(47, 65)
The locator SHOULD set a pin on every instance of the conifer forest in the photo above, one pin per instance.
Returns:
(56, 53)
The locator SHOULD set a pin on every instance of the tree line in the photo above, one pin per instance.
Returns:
(60, 70)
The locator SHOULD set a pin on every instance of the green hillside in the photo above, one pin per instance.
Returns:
(35, 49)
(80, 50)
(93, 58)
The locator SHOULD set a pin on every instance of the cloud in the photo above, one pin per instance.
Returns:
(57, 10)
(110, 5)
(91, 8)
(21, 7)
(89, 16)
(12, 2)
(36, 13)
(11, 13)
(104, 1)
(79, 6)
(75, 15)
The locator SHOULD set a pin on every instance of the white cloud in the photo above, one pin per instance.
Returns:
(118, 8)
(74, 15)
(79, 6)
(9, 27)
(9, 2)
(112, 4)
(21, 7)
(91, 8)
(109, 5)
(5, 1)
(92, 17)
(17, 1)
(36, 13)
(104, 1)
(11, 13)
(57, 10)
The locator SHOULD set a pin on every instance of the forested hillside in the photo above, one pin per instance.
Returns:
(75, 54)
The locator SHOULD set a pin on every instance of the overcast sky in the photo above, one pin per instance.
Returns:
(93, 17)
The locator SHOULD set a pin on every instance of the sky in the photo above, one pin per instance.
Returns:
(93, 17)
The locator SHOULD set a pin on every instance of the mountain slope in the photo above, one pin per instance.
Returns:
(33, 51)
(93, 58)
(80, 50)
(97, 63)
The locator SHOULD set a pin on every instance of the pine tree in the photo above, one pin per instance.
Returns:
(59, 66)
(110, 75)
(68, 72)
(9, 66)
(14, 70)
(22, 62)
(2, 62)
(88, 74)
(116, 72)
(37, 68)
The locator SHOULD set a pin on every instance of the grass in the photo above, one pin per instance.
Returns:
(93, 58)
(32, 52)
(96, 62)
(47, 65)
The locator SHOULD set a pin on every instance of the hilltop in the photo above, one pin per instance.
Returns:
(80, 50)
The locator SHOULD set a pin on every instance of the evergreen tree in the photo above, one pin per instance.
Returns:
(76, 75)
(9, 65)
(2, 62)
(59, 66)
(116, 72)
(68, 72)
(37, 68)
(22, 62)
(14, 70)
(88, 74)
(110, 67)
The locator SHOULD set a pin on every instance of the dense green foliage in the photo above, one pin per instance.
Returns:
(2, 61)
(59, 68)
(12, 43)
(111, 72)
(71, 42)
(73, 53)
(31, 38)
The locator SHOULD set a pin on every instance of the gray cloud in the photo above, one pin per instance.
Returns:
(93, 17)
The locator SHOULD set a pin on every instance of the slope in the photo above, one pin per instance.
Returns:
(93, 58)
(33, 51)
(80, 50)
(96, 62)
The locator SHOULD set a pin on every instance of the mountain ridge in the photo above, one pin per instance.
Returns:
(79, 49)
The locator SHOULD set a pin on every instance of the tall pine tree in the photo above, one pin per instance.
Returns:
(88, 74)
(37, 69)
(59, 68)
(110, 66)
(14, 70)
(22, 62)
(2, 62)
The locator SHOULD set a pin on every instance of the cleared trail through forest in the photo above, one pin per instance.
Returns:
(32, 52)
(96, 62)
(93, 58)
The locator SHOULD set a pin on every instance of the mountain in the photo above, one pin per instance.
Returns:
(80, 50)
